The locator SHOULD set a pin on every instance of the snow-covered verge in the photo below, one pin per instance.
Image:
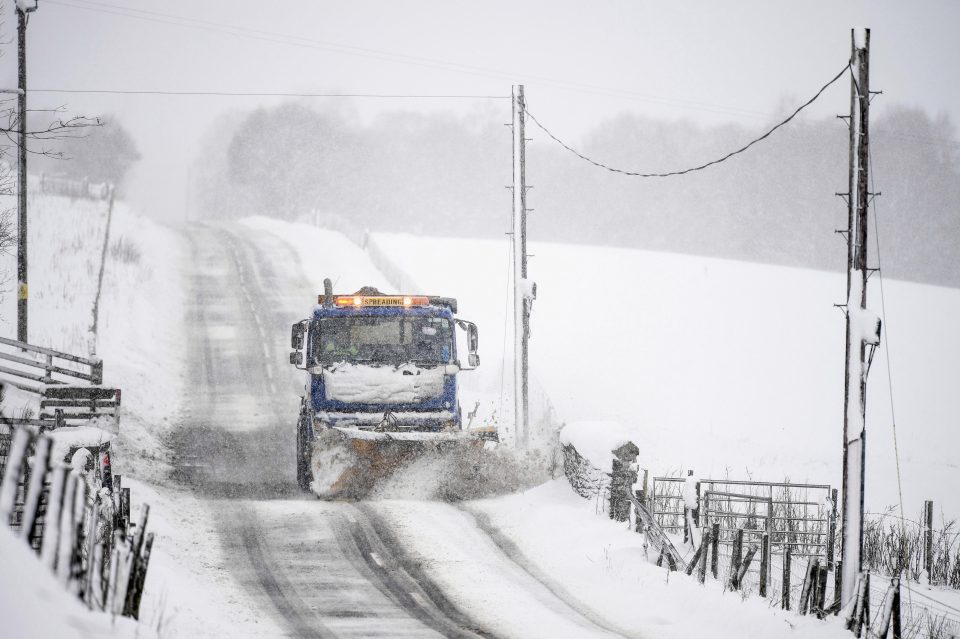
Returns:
(729, 368)
(142, 342)
(607, 569)
(34, 605)
(599, 568)
(190, 591)
(140, 325)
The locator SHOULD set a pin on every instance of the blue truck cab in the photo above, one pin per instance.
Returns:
(379, 364)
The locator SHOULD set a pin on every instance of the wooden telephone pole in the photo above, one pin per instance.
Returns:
(22, 289)
(855, 378)
(522, 289)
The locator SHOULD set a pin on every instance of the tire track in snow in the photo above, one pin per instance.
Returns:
(367, 541)
(514, 554)
(276, 587)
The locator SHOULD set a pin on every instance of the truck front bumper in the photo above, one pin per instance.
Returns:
(398, 422)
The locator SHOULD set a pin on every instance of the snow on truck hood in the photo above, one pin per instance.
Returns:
(367, 384)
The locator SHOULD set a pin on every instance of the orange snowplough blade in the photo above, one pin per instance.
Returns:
(349, 463)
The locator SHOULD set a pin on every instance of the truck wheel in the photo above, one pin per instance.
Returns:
(303, 456)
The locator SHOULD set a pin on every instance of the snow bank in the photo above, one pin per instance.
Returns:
(595, 441)
(366, 384)
(35, 605)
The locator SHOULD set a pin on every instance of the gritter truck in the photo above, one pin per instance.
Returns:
(381, 386)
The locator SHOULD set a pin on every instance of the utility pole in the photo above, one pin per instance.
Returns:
(855, 378)
(22, 289)
(522, 289)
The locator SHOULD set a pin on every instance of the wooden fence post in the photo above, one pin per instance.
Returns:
(694, 563)
(125, 510)
(735, 558)
(67, 532)
(31, 505)
(115, 558)
(820, 601)
(786, 579)
(16, 458)
(115, 494)
(832, 530)
(803, 606)
(141, 577)
(856, 610)
(897, 634)
(887, 612)
(91, 542)
(715, 547)
(866, 604)
(96, 578)
(646, 490)
(705, 547)
(745, 565)
(837, 578)
(861, 611)
(764, 563)
(136, 547)
(51, 519)
(76, 556)
(928, 538)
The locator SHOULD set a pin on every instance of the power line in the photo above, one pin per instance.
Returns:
(352, 50)
(272, 94)
(886, 351)
(702, 166)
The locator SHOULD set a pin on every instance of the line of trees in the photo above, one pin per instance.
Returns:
(444, 175)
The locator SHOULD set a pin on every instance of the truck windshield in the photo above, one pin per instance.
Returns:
(383, 340)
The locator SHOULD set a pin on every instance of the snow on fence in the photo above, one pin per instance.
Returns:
(69, 187)
(68, 388)
(799, 516)
(76, 519)
(30, 367)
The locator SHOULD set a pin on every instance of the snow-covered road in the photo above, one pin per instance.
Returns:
(315, 568)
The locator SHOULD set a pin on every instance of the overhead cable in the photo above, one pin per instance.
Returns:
(694, 168)
(275, 94)
(388, 56)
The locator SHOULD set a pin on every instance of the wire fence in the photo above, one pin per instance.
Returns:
(799, 516)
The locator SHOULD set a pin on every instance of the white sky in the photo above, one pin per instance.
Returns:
(707, 61)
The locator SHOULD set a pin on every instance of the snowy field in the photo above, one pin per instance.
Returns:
(730, 368)
(694, 381)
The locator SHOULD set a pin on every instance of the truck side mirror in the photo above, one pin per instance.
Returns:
(297, 332)
(472, 338)
(296, 335)
(472, 342)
